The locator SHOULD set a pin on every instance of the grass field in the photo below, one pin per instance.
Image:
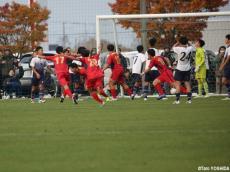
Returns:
(123, 136)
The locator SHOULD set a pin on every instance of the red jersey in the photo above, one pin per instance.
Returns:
(114, 60)
(159, 63)
(60, 63)
(93, 70)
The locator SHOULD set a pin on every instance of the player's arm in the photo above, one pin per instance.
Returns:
(32, 64)
(223, 63)
(168, 61)
(151, 64)
(200, 59)
(108, 63)
(71, 57)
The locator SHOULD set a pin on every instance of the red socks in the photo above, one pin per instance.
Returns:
(159, 89)
(183, 90)
(128, 91)
(68, 92)
(102, 92)
(114, 93)
(95, 97)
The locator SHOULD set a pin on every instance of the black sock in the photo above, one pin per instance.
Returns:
(177, 96)
(189, 94)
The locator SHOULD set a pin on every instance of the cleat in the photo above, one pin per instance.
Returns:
(189, 102)
(114, 99)
(32, 101)
(74, 99)
(42, 101)
(226, 98)
(102, 104)
(132, 97)
(162, 97)
(198, 96)
(176, 102)
(62, 99)
(108, 99)
(206, 96)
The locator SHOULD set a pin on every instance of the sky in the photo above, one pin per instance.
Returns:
(76, 20)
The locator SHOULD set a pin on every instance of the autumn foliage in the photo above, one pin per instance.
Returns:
(167, 29)
(21, 26)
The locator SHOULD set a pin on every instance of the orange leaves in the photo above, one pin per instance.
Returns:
(166, 30)
(21, 25)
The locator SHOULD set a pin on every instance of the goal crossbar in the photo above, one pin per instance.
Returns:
(143, 16)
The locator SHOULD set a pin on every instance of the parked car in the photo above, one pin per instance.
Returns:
(51, 84)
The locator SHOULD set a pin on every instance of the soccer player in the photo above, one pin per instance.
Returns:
(38, 66)
(183, 67)
(137, 69)
(200, 68)
(117, 77)
(225, 65)
(94, 75)
(62, 72)
(165, 74)
(153, 73)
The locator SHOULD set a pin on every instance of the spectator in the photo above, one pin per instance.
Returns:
(219, 74)
(7, 63)
(12, 84)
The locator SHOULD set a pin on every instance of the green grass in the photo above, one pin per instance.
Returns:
(123, 136)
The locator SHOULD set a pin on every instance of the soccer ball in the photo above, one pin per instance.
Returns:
(173, 90)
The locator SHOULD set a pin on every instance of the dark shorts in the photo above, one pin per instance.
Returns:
(182, 75)
(136, 77)
(36, 82)
(75, 78)
(227, 72)
(151, 75)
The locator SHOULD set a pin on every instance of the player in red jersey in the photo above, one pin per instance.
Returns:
(166, 74)
(114, 62)
(94, 75)
(62, 71)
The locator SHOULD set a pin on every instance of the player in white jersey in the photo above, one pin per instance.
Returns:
(183, 68)
(138, 61)
(225, 65)
(38, 66)
(153, 73)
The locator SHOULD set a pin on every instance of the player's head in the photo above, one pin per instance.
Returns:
(140, 48)
(79, 50)
(110, 47)
(67, 50)
(199, 43)
(59, 50)
(73, 67)
(183, 40)
(227, 39)
(222, 49)
(85, 53)
(151, 53)
(39, 50)
(152, 42)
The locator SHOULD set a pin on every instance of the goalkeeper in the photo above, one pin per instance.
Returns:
(200, 68)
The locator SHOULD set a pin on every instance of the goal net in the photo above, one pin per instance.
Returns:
(128, 31)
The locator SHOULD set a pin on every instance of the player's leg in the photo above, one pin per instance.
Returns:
(95, 96)
(157, 85)
(34, 88)
(41, 89)
(189, 94)
(137, 83)
(122, 82)
(99, 87)
(200, 86)
(226, 82)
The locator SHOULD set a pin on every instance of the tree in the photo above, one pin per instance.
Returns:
(166, 30)
(21, 26)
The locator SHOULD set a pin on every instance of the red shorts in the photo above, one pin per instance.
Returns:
(166, 76)
(117, 76)
(63, 79)
(94, 83)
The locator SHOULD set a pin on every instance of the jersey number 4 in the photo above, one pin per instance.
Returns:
(185, 56)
